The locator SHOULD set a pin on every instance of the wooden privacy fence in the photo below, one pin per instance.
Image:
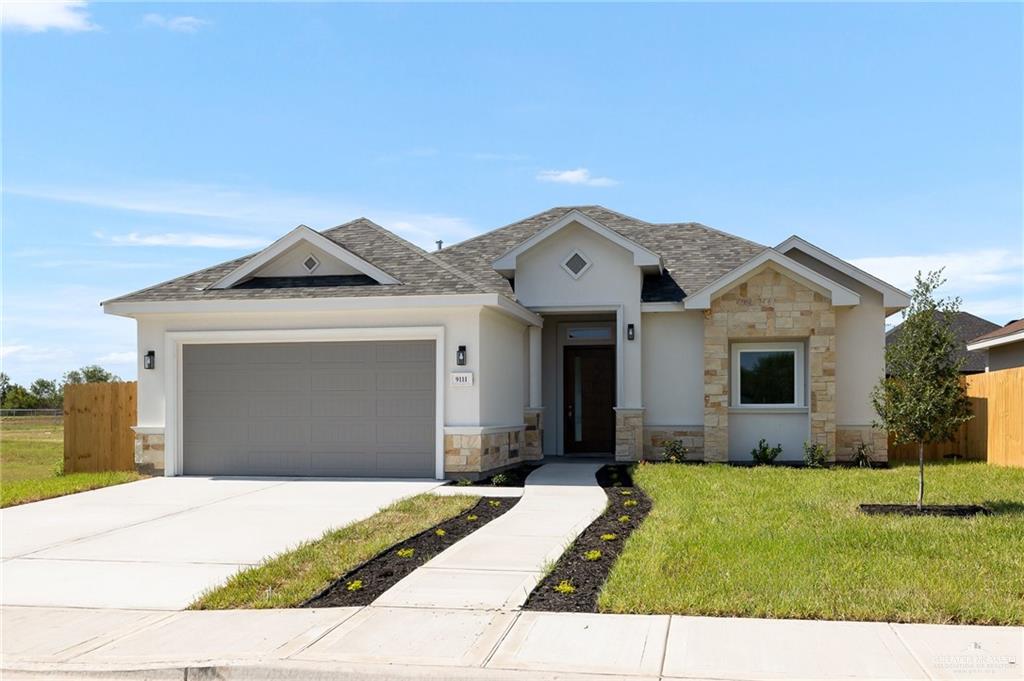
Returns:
(98, 420)
(995, 434)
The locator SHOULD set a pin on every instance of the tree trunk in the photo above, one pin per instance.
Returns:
(920, 474)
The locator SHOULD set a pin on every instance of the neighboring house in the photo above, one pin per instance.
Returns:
(966, 327)
(1005, 346)
(576, 331)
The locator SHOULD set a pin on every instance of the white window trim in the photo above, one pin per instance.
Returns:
(173, 393)
(316, 263)
(586, 267)
(796, 347)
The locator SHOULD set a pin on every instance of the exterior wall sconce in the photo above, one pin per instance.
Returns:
(460, 356)
(630, 332)
(149, 360)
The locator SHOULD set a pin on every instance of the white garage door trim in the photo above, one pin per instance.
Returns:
(174, 340)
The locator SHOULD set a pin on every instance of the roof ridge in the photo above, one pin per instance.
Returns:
(498, 229)
(424, 254)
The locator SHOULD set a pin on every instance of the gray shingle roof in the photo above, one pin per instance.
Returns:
(694, 256)
(966, 327)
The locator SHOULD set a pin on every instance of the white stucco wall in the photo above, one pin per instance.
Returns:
(502, 362)
(462, 327)
(673, 368)
(790, 430)
(860, 346)
(1006, 356)
(612, 281)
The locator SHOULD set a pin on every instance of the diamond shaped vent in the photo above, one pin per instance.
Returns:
(576, 265)
(310, 264)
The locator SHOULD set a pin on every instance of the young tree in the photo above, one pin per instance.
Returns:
(922, 400)
(49, 394)
(89, 374)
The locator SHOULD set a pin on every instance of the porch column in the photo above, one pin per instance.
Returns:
(536, 333)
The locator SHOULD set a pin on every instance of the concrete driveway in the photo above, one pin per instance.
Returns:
(160, 542)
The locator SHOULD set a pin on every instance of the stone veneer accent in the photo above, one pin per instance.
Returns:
(533, 438)
(849, 437)
(149, 453)
(629, 434)
(769, 306)
(692, 438)
(474, 456)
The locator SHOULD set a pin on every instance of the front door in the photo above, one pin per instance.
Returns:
(589, 385)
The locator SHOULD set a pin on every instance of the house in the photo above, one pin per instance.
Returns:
(1004, 345)
(577, 331)
(966, 327)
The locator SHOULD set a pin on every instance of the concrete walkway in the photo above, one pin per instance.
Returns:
(413, 643)
(497, 566)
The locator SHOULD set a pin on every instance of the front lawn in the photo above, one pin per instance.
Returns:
(291, 578)
(781, 542)
(32, 459)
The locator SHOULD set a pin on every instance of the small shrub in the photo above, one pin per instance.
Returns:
(565, 587)
(405, 553)
(623, 518)
(472, 516)
(463, 482)
(494, 503)
(440, 532)
(592, 555)
(763, 454)
(354, 585)
(815, 455)
(862, 455)
(674, 451)
(499, 479)
(628, 503)
(609, 537)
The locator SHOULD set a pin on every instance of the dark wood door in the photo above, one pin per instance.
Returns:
(589, 399)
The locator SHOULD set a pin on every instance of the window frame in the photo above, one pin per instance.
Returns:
(795, 347)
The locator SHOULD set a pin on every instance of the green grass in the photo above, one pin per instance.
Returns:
(31, 461)
(779, 542)
(290, 578)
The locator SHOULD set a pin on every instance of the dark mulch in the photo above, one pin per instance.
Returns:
(951, 511)
(588, 576)
(510, 477)
(384, 570)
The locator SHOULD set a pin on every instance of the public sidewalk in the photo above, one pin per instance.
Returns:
(497, 566)
(417, 643)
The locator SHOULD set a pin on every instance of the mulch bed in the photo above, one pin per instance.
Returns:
(588, 576)
(950, 511)
(510, 477)
(384, 570)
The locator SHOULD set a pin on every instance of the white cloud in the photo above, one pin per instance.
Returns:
(184, 239)
(7, 350)
(268, 213)
(578, 176)
(180, 24)
(989, 281)
(126, 357)
(38, 16)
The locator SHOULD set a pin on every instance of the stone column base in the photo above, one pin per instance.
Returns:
(848, 438)
(149, 453)
(629, 434)
(692, 438)
(533, 437)
(476, 452)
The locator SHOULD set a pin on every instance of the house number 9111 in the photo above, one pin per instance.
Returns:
(462, 378)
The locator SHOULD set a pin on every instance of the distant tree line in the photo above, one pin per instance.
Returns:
(44, 393)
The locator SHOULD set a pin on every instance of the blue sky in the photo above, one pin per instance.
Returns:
(144, 141)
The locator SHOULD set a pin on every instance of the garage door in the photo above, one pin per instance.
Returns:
(318, 409)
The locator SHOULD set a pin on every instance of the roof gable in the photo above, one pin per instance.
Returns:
(642, 257)
(840, 295)
(892, 297)
(295, 244)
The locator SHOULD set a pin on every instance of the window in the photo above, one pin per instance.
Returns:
(576, 264)
(589, 333)
(767, 375)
